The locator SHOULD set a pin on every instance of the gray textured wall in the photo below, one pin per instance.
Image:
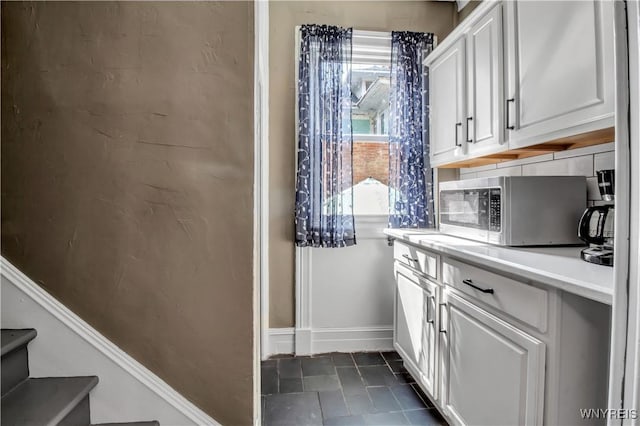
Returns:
(127, 155)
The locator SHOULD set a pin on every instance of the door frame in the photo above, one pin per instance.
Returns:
(624, 368)
(260, 198)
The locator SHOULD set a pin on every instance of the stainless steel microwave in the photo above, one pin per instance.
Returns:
(514, 210)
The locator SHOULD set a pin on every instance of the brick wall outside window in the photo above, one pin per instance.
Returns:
(370, 159)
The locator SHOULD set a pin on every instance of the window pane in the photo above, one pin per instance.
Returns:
(370, 104)
(370, 98)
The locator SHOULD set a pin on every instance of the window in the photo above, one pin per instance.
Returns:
(370, 78)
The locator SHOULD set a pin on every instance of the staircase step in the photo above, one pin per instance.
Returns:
(151, 423)
(79, 416)
(15, 357)
(15, 369)
(14, 339)
(49, 401)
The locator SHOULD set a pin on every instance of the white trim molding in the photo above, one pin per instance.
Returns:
(624, 385)
(632, 369)
(351, 339)
(303, 301)
(261, 169)
(323, 340)
(127, 390)
(260, 199)
(281, 341)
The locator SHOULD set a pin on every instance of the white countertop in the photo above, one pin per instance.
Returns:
(559, 267)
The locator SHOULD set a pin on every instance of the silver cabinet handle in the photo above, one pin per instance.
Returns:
(406, 256)
(430, 318)
(440, 329)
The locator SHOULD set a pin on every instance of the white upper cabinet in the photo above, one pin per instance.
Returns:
(484, 83)
(447, 103)
(560, 69)
(521, 73)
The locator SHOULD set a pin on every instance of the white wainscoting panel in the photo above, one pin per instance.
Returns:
(344, 296)
(68, 346)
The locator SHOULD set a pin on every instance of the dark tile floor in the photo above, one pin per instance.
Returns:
(365, 388)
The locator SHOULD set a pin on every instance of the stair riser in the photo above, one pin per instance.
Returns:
(80, 416)
(15, 368)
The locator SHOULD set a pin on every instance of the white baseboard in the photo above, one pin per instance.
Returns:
(68, 346)
(281, 341)
(351, 339)
(303, 341)
(322, 340)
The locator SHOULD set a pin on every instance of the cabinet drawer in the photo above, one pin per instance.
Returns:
(418, 259)
(524, 302)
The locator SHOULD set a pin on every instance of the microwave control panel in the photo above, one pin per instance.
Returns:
(494, 210)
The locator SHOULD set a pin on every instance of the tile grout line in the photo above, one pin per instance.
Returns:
(362, 380)
(413, 387)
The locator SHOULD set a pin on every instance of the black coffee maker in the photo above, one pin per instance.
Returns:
(596, 225)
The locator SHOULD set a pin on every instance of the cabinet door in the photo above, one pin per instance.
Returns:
(560, 69)
(484, 84)
(492, 373)
(446, 103)
(415, 334)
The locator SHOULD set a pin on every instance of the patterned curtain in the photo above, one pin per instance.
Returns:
(324, 195)
(410, 175)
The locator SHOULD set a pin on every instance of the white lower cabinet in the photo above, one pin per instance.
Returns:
(492, 372)
(489, 349)
(415, 334)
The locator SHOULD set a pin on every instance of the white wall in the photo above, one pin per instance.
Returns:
(353, 286)
(346, 295)
(581, 162)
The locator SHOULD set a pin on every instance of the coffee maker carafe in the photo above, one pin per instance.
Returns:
(596, 225)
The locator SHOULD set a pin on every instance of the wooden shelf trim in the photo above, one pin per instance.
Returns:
(582, 140)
